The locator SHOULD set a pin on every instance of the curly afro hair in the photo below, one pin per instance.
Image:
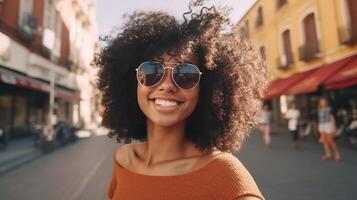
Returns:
(234, 75)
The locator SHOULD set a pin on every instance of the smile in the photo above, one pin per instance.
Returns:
(166, 105)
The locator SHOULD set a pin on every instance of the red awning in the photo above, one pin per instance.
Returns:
(312, 81)
(23, 81)
(34, 84)
(346, 77)
(67, 95)
(279, 86)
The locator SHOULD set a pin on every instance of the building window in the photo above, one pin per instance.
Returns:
(286, 58)
(6, 102)
(262, 52)
(247, 28)
(244, 31)
(280, 3)
(352, 8)
(58, 32)
(348, 33)
(48, 17)
(259, 20)
(26, 8)
(310, 48)
(53, 26)
(20, 104)
(27, 22)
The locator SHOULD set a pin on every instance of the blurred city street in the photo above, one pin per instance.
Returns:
(284, 173)
(52, 145)
(82, 170)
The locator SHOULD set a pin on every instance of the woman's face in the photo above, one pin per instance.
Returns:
(165, 104)
(323, 103)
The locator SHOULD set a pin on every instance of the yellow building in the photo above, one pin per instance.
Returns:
(305, 43)
(297, 35)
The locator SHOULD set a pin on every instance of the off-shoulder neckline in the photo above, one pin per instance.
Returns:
(194, 172)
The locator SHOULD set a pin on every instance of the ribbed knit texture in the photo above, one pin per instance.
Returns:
(224, 178)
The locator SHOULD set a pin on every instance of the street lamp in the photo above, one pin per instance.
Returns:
(48, 41)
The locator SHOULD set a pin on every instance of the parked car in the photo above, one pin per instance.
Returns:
(3, 138)
(64, 133)
(48, 138)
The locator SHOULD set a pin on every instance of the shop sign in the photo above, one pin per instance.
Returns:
(45, 87)
(8, 78)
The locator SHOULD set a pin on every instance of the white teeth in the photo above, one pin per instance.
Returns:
(166, 103)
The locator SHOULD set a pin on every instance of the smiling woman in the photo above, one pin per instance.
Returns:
(182, 89)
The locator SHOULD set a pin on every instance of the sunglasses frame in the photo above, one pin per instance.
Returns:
(172, 75)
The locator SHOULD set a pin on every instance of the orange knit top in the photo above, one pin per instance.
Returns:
(224, 178)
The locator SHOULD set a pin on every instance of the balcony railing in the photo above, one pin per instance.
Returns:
(309, 52)
(285, 61)
(346, 36)
(28, 27)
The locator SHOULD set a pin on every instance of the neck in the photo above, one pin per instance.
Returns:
(166, 144)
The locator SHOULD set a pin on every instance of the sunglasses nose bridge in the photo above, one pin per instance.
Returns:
(168, 68)
(168, 76)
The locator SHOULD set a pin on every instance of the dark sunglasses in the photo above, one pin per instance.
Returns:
(185, 76)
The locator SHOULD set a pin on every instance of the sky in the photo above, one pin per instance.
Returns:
(110, 12)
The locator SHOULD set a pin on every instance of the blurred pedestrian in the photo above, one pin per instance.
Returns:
(352, 127)
(293, 115)
(177, 88)
(326, 127)
(264, 124)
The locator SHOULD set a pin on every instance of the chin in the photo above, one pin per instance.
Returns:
(166, 122)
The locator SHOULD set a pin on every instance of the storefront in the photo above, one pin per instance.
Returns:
(276, 95)
(336, 81)
(24, 102)
(342, 90)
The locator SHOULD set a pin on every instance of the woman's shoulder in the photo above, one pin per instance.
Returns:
(122, 154)
(230, 165)
(231, 173)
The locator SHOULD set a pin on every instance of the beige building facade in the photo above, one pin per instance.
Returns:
(310, 48)
(45, 75)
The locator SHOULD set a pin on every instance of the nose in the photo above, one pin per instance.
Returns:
(167, 84)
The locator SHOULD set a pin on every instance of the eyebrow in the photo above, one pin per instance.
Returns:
(184, 61)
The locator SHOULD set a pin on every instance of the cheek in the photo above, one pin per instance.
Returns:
(141, 97)
(193, 99)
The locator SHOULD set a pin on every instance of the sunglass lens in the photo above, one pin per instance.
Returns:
(150, 73)
(186, 76)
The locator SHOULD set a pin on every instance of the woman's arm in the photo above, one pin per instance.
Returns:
(287, 115)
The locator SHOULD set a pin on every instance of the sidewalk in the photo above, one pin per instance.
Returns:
(341, 141)
(18, 152)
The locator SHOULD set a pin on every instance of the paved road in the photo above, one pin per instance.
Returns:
(78, 171)
(283, 173)
(82, 171)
